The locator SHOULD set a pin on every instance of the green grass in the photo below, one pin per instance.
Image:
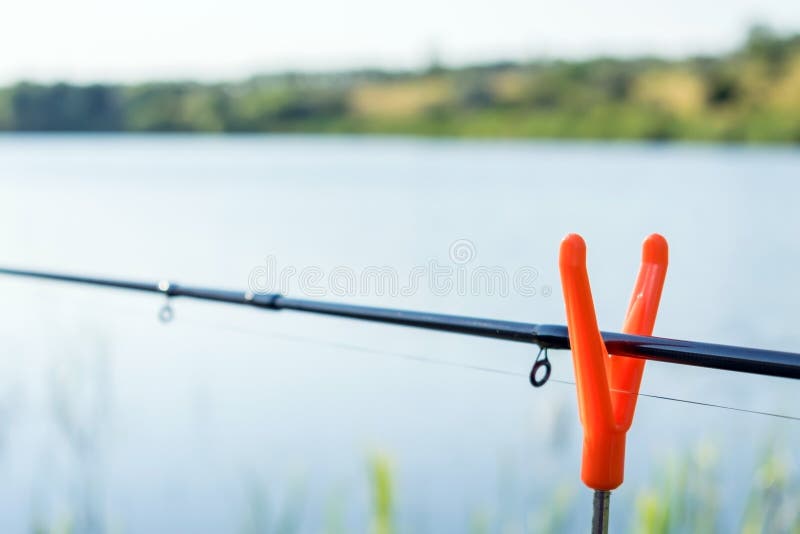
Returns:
(682, 497)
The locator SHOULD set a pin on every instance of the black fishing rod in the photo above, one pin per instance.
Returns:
(709, 355)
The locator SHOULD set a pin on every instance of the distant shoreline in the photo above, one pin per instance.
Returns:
(67, 136)
(751, 95)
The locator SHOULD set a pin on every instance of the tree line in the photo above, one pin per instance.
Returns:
(750, 94)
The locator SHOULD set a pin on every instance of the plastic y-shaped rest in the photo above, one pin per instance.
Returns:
(607, 386)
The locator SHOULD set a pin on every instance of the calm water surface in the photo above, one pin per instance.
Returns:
(227, 418)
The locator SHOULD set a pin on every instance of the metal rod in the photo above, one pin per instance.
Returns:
(602, 500)
(708, 355)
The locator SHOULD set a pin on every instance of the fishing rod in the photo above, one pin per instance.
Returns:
(605, 414)
(546, 336)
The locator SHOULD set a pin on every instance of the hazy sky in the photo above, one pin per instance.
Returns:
(129, 40)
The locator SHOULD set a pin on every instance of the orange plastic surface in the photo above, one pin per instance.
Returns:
(608, 386)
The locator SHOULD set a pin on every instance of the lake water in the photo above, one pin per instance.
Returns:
(234, 420)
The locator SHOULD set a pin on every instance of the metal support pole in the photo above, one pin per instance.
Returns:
(600, 512)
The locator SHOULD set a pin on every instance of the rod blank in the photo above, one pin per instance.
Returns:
(708, 355)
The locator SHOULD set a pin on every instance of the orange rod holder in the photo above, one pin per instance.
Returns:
(607, 386)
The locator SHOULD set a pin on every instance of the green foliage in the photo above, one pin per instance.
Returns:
(382, 496)
(64, 107)
(685, 498)
(751, 95)
(6, 110)
(774, 501)
(553, 517)
(263, 517)
(764, 44)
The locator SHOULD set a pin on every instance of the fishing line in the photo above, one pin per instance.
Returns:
(687, 401)
(429, 360)
(358, 348)
(434, 361)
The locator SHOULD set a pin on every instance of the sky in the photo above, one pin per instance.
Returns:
(126, 40)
